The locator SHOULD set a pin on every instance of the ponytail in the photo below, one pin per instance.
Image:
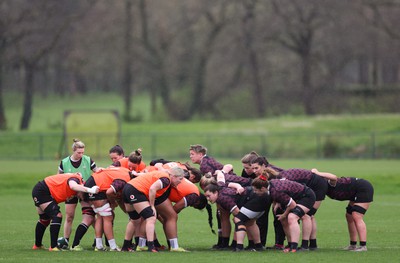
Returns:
(210, 217)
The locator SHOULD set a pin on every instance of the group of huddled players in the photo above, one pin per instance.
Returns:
(160, 190)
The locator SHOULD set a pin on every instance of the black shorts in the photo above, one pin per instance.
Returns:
(308, 198)
(254, 208)
(163, 197)
(365, 192)
(73, 200)
(41, 194)
(320, 186)
(92, 197)
(131, 195)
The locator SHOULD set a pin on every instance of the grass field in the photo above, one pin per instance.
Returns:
(19, 217)
(322, 136)
(48, 114)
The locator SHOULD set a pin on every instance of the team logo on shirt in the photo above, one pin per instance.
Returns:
(132, 197)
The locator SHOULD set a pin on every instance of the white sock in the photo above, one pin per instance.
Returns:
(112, 243)
(142, 242)
(99, 242)
(174, 243)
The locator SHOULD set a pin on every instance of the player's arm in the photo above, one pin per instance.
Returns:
(292, 204)
(220, 176)
(179, 205)
(157, 185)
(227, 168)
(331, 177)
(235, 211)
(80, 188)
(238, 187)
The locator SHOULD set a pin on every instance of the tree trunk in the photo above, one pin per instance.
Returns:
(60, 78)
(198, 93)
(28, 96)
(248, 26)
(308, 93)
(161, 87)
(3, 121)
(363, 70)
(127, 79)
(205, 54)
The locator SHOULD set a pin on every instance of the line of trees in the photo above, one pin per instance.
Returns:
(204, 59)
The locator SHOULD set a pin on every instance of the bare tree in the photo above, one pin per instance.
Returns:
(385, 15)
(200, 57)
(40, 29)
(127, 78)
(248, 38)
(155, 57)
(3, 120)
(300, 21)
(3, 45)
(216, 19)
(8, 37)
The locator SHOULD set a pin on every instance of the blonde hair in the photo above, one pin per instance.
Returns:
(78, 144)
(271, 173)
(176, 171)
(207, 179)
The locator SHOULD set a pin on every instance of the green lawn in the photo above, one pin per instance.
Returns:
(48, 114)
(19, 218)
(322, 136)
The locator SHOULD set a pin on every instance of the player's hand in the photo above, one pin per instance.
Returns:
(93, 190)
(240, 190)
(280, 217)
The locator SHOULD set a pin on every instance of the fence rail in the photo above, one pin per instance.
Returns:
(45, 146)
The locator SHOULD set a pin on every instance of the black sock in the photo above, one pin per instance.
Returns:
(54, 230)
(293, 245)
(304, 244)
(233, 244)
(279, 232)
(219, 242)
(251, 243)
(137, 241)
(353, 243)
(127, 243)
(313, 243)
(156, 243)
(258, 245)
(150, 245)
(79, 233)
(224, 241)
(363, 243)
(39, 232)
(239, 246)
